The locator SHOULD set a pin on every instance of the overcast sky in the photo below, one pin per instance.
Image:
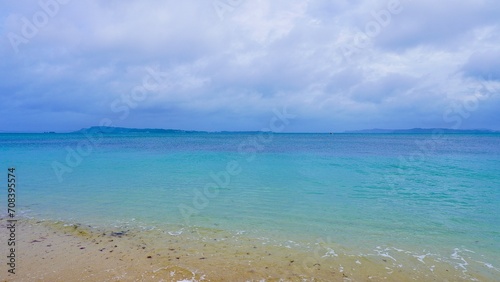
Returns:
(231, 64)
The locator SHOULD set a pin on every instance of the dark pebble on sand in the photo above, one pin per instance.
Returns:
(121, 233)
(149, 256)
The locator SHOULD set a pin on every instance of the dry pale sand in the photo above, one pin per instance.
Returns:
(51, 251)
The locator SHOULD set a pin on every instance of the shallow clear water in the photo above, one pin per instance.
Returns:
(398, 194)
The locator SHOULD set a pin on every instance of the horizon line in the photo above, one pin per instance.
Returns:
(351, 131)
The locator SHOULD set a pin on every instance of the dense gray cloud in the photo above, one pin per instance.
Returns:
(227, 64)
(484, 65)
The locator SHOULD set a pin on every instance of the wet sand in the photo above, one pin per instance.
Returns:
(57, 251)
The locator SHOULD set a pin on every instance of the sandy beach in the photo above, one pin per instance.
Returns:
(57, 251)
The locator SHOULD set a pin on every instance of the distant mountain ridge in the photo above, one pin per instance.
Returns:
(424, 131)
(109, 129)
(120, 130)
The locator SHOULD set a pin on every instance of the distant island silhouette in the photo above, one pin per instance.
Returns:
(120, 130)
(423, 131)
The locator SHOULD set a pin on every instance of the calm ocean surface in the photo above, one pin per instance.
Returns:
(424, 196)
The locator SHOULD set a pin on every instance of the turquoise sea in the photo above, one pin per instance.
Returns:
(397, 196)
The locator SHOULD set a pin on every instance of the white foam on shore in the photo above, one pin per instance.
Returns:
(384, 252)
(175, 233)
(489, 265)
(422, 257)
(455, 256)
(330, 253)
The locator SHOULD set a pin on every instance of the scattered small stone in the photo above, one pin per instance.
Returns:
(202, 258)
(118, 234)
(82, 248)
(149, 256)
